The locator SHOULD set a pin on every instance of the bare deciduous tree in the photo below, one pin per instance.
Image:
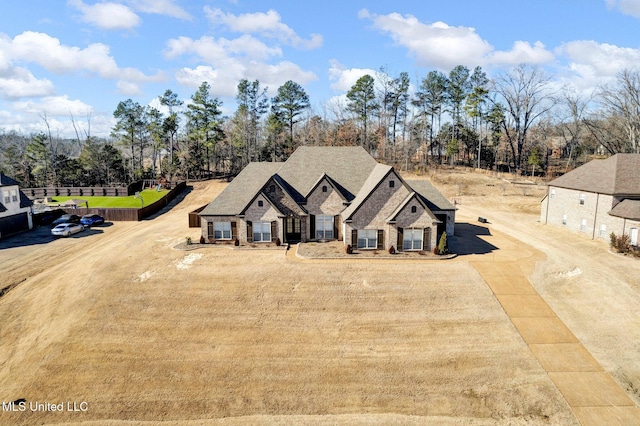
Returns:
(524, 91)
(620, 132)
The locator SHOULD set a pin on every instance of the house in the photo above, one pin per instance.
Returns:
(329, 193)
(15, 208)
(597, 198)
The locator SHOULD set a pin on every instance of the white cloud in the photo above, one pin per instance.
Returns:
(628, 7)
(128, 88)
(435, 45)
(27, 117)
(17, 82)
(211, 50)
(107, 15)
(228, 61)
(605, 60)
(522, 53)
(53, 106)
(160, 7)
(224, 79)
(590, 64)
(441, 46)
(48, 52)
(267, 24)
(344, 78)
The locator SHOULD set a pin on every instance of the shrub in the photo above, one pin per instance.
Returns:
(236, 242)
(392, 250)
(442, 245)
(620, 243)
(278, 242)
(435, 250)
(349, 249)
(201, 239)
(188, 240)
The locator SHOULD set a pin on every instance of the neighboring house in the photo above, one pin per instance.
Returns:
(598, 198)
(329, 193)
(15, 208)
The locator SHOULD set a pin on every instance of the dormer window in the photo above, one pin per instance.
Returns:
(324, 188)
(392, 183)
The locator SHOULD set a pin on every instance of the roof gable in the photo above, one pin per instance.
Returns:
(616, 175)
(401, 206)
(241, 190)
(379, 173)
(433, 199)
(263, 195)
(339, 189)
(349, 166)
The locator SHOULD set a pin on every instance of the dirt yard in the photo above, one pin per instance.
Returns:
(140, 332)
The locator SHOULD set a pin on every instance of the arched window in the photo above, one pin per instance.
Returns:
(324, 188)
(392, 183)
(414, 209)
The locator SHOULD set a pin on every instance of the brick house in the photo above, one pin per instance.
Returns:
(329, 193)
(15, 208)
(597, 198)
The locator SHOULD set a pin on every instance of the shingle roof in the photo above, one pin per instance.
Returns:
(348, 165)
(350, 169)
(627, 209)
(241, 190)
(7, 181)
(24, 200)
(617, 175)
(430, 195)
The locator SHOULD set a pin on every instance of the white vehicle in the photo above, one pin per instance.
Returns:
(66, 229)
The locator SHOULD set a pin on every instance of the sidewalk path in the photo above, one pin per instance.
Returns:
(594, 397)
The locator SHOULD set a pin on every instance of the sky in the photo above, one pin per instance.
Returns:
(71, 62)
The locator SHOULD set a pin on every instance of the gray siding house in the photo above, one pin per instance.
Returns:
(15, 208)
(598, 198)
(328, 193)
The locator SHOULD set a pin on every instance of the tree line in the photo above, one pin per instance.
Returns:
(519, 120)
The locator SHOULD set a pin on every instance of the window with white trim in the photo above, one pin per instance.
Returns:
(603, 230)
(7, 197)
(552, 194)
(583, 225)
(412, 239)
(14, 195)
(564, 219)
(222, 230)
(261, 231)
(367, 238)
(582, 199)
(324, 227)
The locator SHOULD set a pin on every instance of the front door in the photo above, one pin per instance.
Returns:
(292, 232)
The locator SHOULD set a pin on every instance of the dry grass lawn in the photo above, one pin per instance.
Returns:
(146, 333)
